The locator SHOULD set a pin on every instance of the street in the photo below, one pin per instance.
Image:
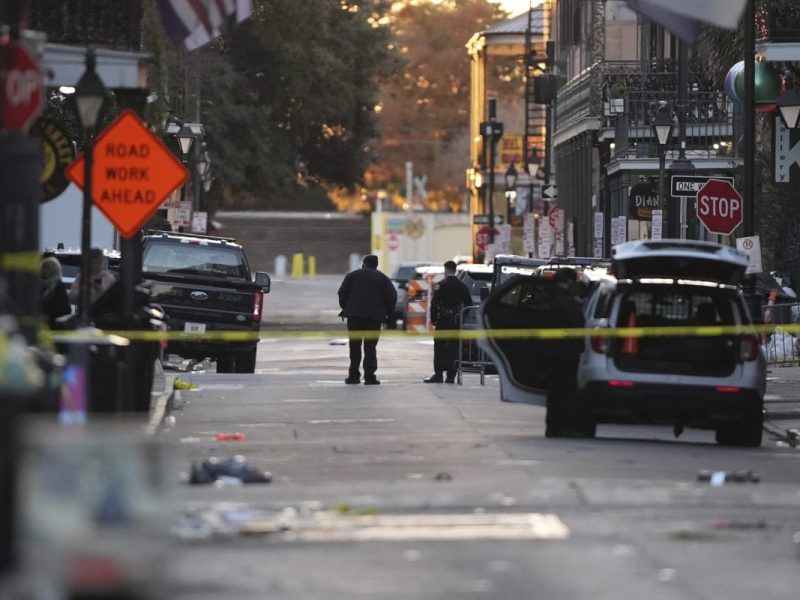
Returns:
(408, 490)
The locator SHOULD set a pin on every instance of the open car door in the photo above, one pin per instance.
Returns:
(522, 303)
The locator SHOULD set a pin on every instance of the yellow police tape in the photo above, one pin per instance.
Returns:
(451, 334)
(23, 262)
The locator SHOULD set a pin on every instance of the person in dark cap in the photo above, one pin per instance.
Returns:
(449, 296)
(367, 298)
(565, 418)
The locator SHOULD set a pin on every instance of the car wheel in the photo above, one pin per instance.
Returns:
(246, 362)
(225, 363)
(747, 433)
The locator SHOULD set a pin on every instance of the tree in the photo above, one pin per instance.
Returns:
(424, 109)
(287, 99)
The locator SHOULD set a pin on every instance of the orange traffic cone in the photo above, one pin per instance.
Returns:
(630, 345)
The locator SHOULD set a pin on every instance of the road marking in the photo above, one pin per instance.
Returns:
(305, 400)
(221, 386)
(347, 421)
(430, 527)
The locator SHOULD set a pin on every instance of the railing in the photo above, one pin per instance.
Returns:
(471, 358)
(106, 23)
(709, 123)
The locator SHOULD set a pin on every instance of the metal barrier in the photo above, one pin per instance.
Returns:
(780, 346)
(471, 358)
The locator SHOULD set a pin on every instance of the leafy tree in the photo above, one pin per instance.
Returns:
(287, 99)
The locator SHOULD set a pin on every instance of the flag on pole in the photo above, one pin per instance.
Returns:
(685, 17)
(194, 23)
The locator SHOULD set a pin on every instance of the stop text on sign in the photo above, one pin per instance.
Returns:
(133, 172)
(715, 205)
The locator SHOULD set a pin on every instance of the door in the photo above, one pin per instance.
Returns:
(522, 303)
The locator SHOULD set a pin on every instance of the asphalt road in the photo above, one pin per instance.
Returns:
(408, 490)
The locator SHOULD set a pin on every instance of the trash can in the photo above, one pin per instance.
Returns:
(93, 373)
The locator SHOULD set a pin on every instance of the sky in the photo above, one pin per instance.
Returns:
(515, 7)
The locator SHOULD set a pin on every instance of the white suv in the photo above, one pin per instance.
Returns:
(710, 382)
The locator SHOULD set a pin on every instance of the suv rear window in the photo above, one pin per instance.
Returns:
(172, 257)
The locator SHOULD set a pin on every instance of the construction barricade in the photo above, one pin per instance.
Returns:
(417, 318)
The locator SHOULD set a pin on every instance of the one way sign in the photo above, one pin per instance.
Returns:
(549, 191)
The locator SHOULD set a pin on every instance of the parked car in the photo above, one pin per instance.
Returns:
(204, 285)
(708, 382)
(508, 265)
(70, 260)
(478, 278)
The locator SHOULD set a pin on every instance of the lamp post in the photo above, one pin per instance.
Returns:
(511, 189)
(492, 131)
(789, 105)
(89, 98)
(662, 131)
(532, 169)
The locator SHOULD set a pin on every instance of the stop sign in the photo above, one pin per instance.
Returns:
(23, 89)
(719, 206)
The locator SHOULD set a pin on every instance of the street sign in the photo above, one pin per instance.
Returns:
(133, 173)
(484, 219)
(688, 185)
(57, 154)
(751, 246)
(554, 216)
(719, 206)
(549, 191)
(23, 88)
(482, 237)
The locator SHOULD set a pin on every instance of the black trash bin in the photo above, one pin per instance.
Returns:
(97, 359)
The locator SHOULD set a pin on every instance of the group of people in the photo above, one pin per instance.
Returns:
(367, 299)
(55, 300)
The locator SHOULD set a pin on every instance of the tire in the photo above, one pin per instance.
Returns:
(746, 433)
(245, 362)
(225, 363)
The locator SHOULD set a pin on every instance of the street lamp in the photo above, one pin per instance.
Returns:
(186, 137)
(511, 189)
(662, 131)
(789, 105)
(89, 97)
(491, 131)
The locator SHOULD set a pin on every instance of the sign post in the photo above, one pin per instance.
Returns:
(719, 206)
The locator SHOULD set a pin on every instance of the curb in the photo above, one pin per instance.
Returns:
(782, 415)
(161, 406)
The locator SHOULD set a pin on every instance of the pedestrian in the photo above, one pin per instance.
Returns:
(54, 301)
(450, 296)
(367, 298)
(565, 416)
(101, 278)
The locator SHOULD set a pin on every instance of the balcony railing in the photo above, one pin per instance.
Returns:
(114, 24)
(709, 124)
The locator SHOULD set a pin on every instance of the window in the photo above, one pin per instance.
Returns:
(196, 259)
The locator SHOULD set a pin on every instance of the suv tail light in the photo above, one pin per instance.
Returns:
(258, 304)
(600, 344)
(748, 348)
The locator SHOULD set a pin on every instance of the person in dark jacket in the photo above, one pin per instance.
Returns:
(449, 296)
(54, 299)
(367, 298)
(565, 418)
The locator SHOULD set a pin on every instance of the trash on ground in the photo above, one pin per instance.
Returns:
(180, 384)
(338, 342)
(226, 437)
(443, 477)
(236, 467)
(719, 478)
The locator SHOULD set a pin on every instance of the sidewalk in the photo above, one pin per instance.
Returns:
(782, 400)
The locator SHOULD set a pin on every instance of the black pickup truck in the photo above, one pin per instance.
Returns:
(204, 285)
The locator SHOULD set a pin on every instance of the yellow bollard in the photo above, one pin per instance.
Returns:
(312, 267)
(297, 265)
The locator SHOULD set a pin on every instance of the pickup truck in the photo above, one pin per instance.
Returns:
(204, 285)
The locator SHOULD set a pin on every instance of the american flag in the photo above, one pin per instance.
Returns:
(194, 23)
(685, 17)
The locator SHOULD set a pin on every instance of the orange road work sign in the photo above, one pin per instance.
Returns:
(132, 174)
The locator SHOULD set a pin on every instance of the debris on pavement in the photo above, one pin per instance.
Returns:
(236, 467)
(443, 477)
(227, 437)
(180, 384)
(718, 478)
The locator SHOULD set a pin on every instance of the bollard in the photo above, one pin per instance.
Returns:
(312, 267)
(280, 266)
(297, 265)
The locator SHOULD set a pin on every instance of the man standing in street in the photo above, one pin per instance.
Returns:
(367, 298)
(449, 297)
(565, 416)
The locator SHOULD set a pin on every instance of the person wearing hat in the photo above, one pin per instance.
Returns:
(565, 418)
